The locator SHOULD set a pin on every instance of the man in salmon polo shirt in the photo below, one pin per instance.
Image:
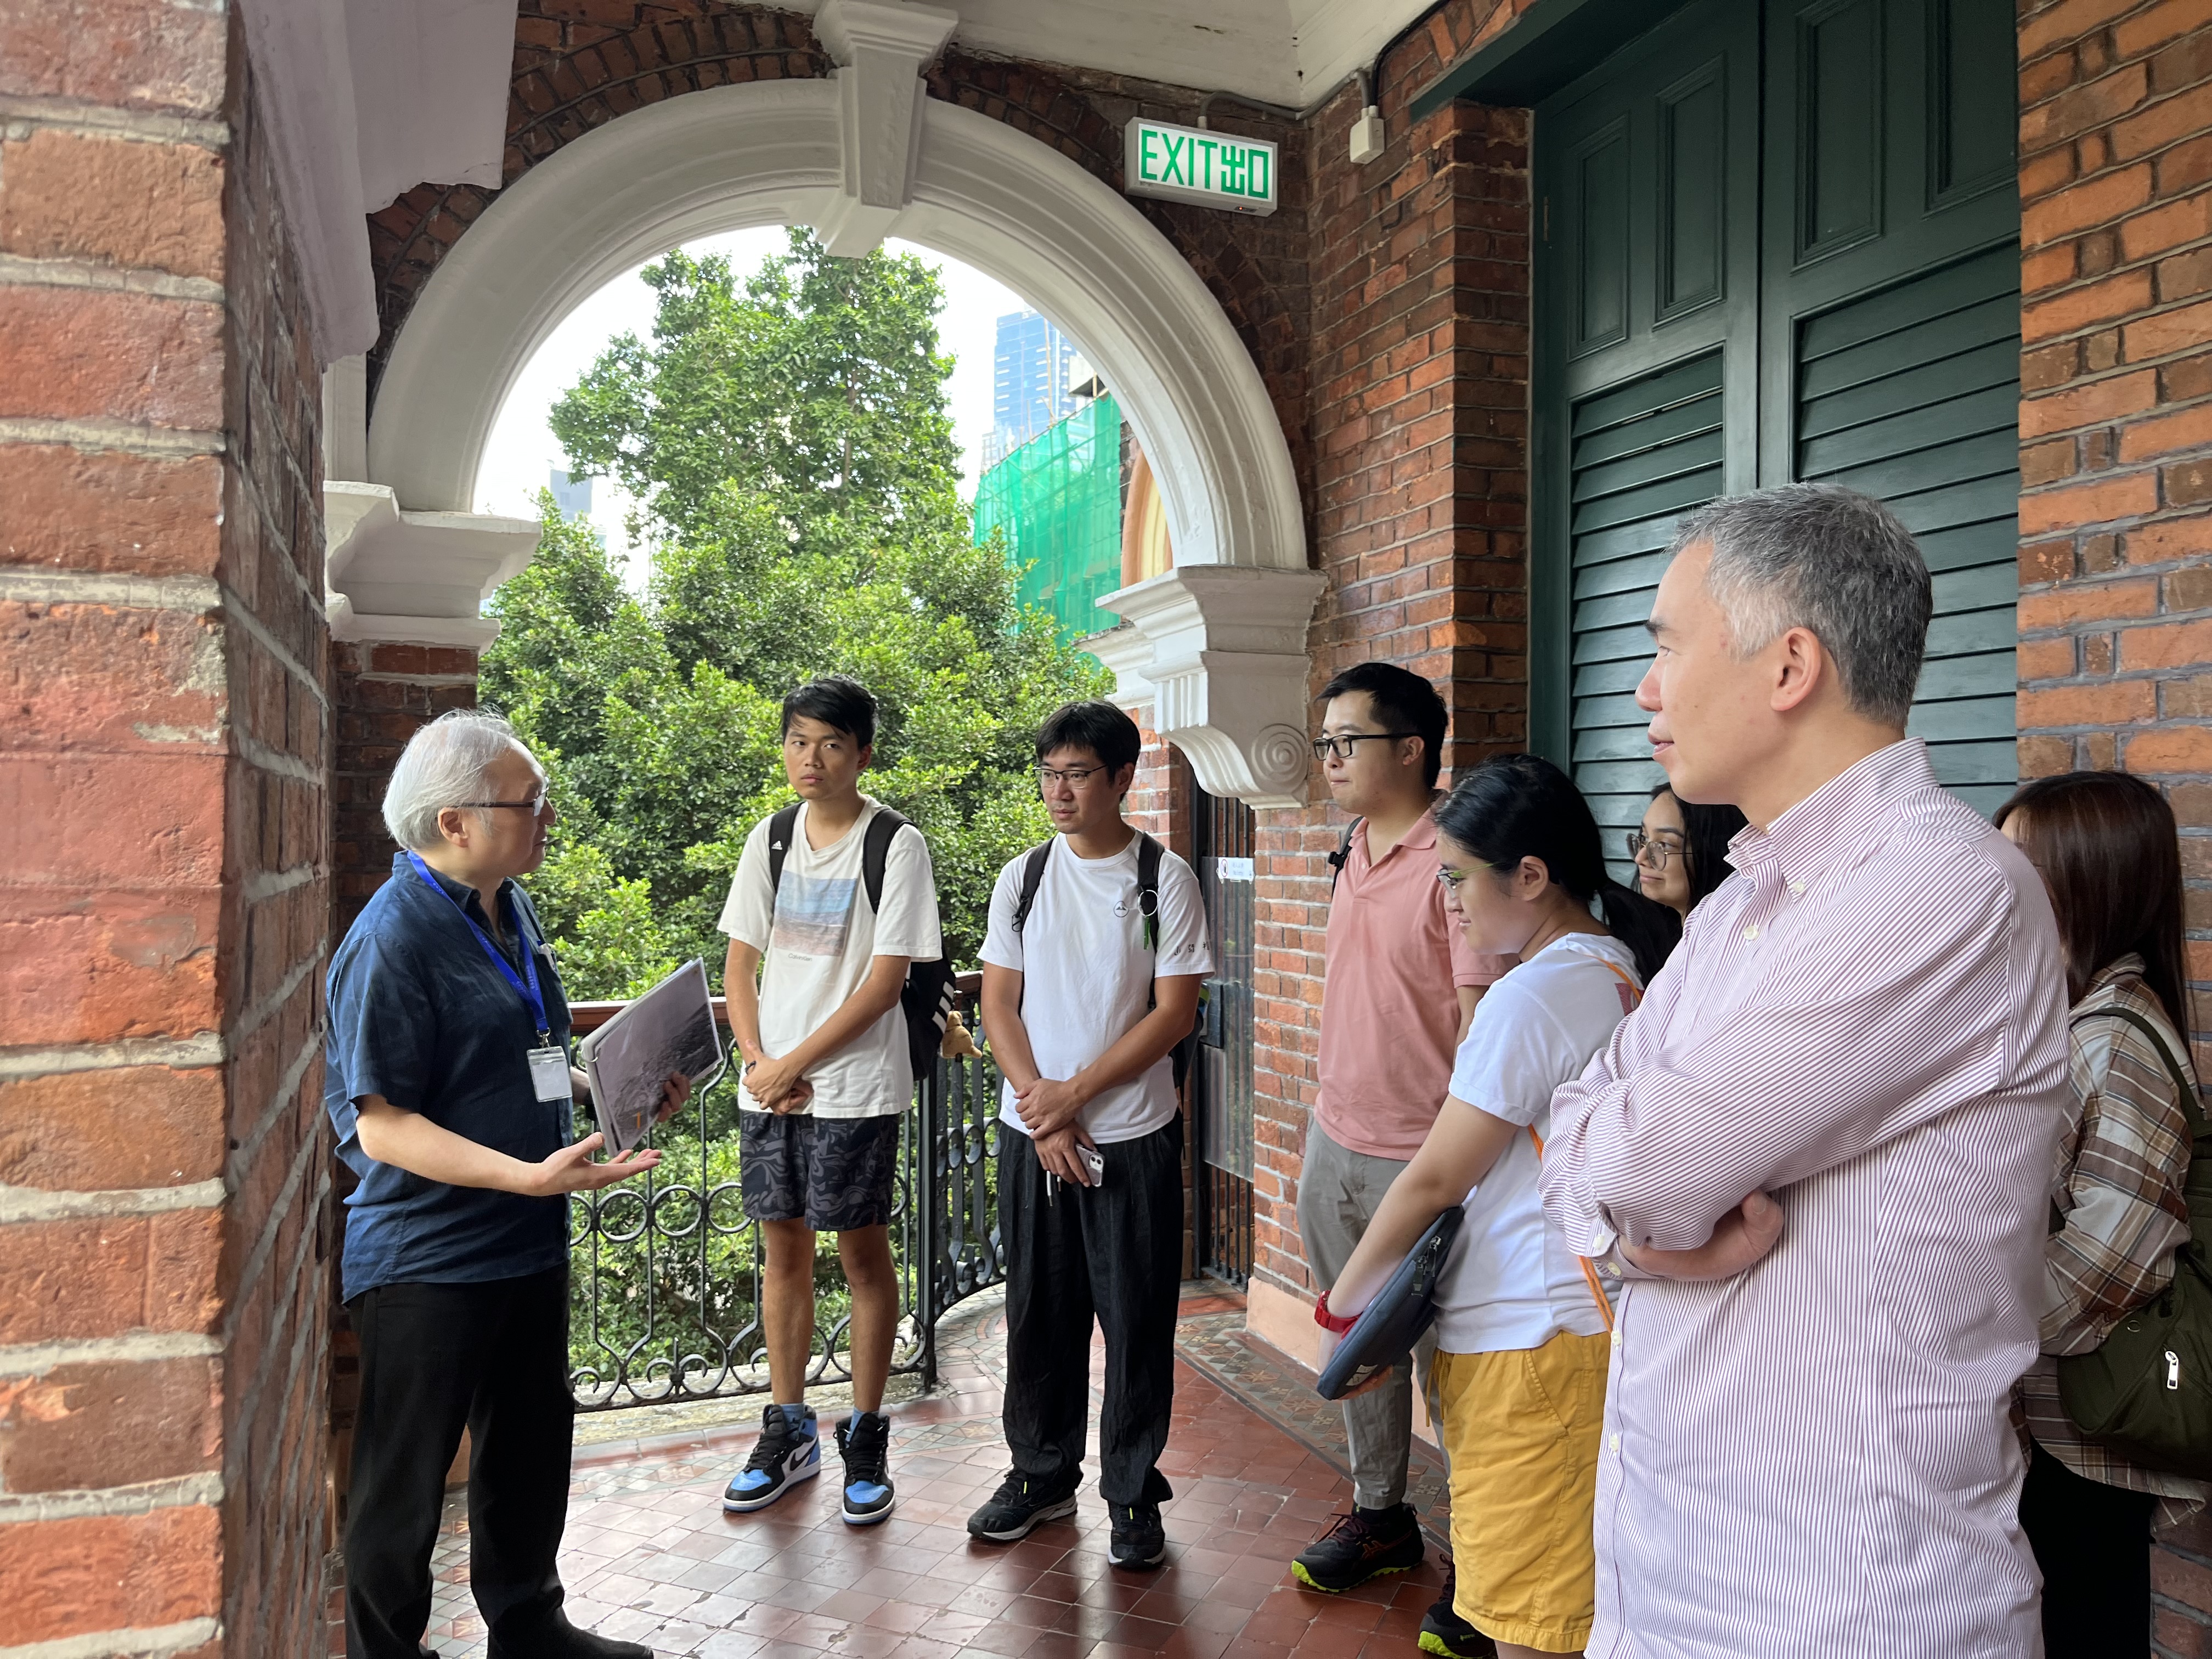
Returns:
(1401, 986)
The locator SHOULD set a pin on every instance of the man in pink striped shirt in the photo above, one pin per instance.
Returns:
(1858, 1051)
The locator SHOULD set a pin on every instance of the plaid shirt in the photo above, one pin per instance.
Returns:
(2118, 1188)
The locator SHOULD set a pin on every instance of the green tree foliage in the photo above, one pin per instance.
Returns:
(788, 441)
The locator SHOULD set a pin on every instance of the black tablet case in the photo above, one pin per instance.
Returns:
(1401, 1311)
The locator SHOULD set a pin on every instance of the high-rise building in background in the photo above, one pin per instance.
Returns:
(1029, 389)
(572, 495)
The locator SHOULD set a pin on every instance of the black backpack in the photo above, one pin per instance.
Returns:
(1148, 907)
(928, 994)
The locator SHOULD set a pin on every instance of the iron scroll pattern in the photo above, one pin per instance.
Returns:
(665, 1271)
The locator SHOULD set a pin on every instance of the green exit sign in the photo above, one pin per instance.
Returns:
(1184, 164)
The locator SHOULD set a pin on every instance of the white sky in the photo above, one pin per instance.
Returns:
(522, 450)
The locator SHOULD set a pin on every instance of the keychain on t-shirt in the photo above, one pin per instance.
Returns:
(548, 1061)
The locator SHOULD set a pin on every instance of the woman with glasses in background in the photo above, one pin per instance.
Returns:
(2105, 845)
(1681, 851)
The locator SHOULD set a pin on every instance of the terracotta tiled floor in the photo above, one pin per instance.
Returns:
(650, 1555)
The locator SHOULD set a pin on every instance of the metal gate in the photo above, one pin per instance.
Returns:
(1221, 1095)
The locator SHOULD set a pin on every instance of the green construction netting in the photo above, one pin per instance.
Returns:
(1058, 498)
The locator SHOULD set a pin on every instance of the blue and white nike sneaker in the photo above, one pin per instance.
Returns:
(864, 1441)
(789, 1450)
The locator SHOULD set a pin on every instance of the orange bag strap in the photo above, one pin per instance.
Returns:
(1589, 1274)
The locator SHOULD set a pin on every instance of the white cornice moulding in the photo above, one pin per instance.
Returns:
(1226, 672)
(418, 577)
(880, 51)
(363, 100)
(1127, 653)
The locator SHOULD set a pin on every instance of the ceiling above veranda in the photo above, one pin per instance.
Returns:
(1289, 53)
(366, 99)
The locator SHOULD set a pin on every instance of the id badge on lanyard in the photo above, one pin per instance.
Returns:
(548, 1061)
(549, 1073)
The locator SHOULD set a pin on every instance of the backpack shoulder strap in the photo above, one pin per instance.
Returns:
(2191, 1111)
(1342, 856)
(1032, 878)
(780, 829)
(1148, 889)
(876, 853)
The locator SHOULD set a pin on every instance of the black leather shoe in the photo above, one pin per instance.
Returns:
(563, 1640)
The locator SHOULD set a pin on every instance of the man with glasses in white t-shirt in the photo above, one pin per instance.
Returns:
(1091, 967)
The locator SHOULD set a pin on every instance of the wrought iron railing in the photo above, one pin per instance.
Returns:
(665, 1270)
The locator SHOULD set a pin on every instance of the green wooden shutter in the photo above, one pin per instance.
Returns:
(1913, 395)
(1643, 453)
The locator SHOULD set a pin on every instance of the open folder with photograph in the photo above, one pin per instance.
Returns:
(670, 1028)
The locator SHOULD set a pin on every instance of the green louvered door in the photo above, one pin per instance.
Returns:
(1775, 240)
(1890, 320)
(1641, 454)
(1647, 317)
(1913, 395)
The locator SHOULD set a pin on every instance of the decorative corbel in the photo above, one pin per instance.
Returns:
(1226, 672)
(880, 51)
(421, 577)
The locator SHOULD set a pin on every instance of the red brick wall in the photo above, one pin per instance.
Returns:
(380, 694)
(1419, 426)
(2116, 461)
(161, 928)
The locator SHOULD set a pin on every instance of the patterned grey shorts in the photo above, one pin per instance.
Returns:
(836, 1173)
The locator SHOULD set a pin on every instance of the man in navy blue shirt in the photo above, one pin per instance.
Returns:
(446, 1076)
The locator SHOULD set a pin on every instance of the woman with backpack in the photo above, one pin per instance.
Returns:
(1518, 1383)
(2106, 846)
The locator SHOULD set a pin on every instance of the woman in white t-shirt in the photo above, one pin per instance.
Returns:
(1518, 1386)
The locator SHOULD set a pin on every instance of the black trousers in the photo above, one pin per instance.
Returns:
(1112, 1252)
(2093, 1542)
(494, 1356)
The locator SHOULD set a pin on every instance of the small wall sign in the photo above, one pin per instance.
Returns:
(1186, 164)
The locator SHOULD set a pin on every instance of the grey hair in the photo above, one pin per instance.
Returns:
(445, 763)
(1826, 558)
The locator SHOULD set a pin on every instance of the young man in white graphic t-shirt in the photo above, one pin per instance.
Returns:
(1096, 945)
(813, 979)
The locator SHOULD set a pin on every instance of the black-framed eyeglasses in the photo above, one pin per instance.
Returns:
(1073, 776)
(1340, 745)
(1451, 878)
(1647, 849)
(534, 806)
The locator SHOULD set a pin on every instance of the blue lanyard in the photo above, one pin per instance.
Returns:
(530, 992)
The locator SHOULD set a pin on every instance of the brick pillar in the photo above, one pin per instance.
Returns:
(382, 692)
(163, 1164)
(2116, 463)
(1420, 342)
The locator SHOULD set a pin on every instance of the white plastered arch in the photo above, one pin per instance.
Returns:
(1223, 659)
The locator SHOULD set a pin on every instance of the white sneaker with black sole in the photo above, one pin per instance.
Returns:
(789, 1450)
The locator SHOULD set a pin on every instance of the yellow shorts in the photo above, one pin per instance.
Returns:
(1522, 1428)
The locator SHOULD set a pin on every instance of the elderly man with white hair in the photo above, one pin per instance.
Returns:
(447, 1078)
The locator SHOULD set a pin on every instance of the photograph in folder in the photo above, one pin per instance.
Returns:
(671, 1027)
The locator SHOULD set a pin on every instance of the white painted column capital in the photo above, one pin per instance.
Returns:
(1223, 662)
(880, 51)
(417, 577)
